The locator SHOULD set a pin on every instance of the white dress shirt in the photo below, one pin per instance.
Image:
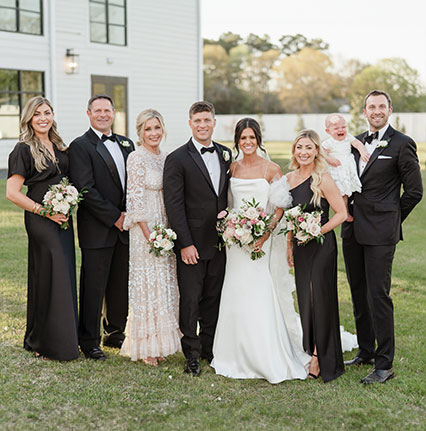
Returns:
(371, 147)
(211, 160)
(114, 149)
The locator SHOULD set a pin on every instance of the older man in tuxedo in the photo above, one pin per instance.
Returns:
(98, 165)
(369, 241)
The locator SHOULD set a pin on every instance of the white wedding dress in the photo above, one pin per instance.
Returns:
(252, 339)
(259, 334)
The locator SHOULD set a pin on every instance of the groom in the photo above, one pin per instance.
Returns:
(195, 191)
(369, 241)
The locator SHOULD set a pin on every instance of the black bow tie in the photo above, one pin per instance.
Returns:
(370, 138)
(110, 137)
(209, 149)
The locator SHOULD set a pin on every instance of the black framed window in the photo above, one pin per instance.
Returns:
(108, 23)
(115, 87)
(21, 16)
(16, 88)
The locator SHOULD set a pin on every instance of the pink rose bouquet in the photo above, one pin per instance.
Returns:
(244, 226)
(304, 225)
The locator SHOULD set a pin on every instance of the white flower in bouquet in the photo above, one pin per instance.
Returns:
(294, 212)
(314, 229)
(159, 237)
(171, 233)
(153, 235)
(246, 238)
(251, 213)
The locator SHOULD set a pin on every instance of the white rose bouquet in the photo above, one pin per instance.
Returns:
(161, 240)
(304, 225)
(61, 198)
(244, 226)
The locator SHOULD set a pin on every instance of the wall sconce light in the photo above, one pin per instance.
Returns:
(72, 61)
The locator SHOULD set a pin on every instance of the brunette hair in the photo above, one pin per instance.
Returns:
(320, 164)
(40, 153)
(97, 97)
(202, 106)
(246, 123)
(378, 93)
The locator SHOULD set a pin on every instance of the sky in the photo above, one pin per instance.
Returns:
(367, 30)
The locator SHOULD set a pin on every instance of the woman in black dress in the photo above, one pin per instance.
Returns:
(315, 264)
(38, 160)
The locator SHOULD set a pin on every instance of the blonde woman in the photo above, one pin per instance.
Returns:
(316, 264)
(152, 330)
(39, 160)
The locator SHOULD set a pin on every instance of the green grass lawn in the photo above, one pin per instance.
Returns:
(121, 395)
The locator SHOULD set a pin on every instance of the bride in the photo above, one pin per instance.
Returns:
(259, 334)
(252, 339)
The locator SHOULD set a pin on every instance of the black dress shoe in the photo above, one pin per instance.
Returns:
(192, 366)
(115, 344)
(360, 361)
(96, 353)
(378, 376)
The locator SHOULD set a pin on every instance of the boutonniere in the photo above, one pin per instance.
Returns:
(124, 143)
(382, 144)
(225, 155)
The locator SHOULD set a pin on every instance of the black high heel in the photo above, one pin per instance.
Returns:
(311, 375)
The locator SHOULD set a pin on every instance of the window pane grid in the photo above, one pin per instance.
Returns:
(19, 25)
(18, 87)
(110, 22)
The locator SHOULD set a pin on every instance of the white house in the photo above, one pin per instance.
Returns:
(145, 54)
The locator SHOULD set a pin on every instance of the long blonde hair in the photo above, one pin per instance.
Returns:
(320, 164)
(141, 120)
(39, 152)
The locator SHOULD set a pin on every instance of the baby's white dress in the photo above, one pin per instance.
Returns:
(345, 175)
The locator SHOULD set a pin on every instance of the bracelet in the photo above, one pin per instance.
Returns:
(34, 208)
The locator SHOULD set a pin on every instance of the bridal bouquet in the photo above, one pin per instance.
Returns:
(161, 240)
(61, 198)
(244, 226)
(304, 225)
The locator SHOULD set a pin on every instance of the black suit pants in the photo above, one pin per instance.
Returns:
(369, 269)
(104, 275)
(200, 287)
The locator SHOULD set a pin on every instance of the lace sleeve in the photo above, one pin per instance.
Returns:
(279, 193)
(136, 208)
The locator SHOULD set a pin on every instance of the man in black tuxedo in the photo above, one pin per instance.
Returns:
(98, 165)
(195, 191)
(369, 241)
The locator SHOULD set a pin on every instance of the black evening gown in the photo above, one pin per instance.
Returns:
(52, 298)
(315, 267)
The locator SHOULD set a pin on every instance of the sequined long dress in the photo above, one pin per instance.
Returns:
(152, 325)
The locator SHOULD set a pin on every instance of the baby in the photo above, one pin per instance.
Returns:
(340, 158)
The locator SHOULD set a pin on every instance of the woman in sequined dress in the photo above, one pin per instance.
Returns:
(152, 330)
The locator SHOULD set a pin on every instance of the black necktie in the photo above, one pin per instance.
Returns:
(209, 149)
(110, 137)
(370, 138)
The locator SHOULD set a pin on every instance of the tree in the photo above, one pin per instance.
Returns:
(305, 82)
(396, 77)
(259, 44)
(294, 43)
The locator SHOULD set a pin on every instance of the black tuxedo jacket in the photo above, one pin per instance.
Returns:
(380, 208)
(190, 200)
(92, 168)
